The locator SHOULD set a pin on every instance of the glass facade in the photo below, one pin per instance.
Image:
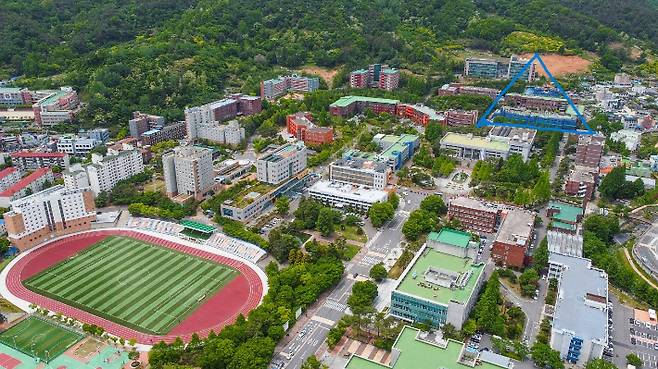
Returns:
(418, 310)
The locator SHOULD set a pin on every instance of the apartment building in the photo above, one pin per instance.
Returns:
(187, 171)
(389, 79)
(580, 318)
(513, 239)
(8, 177)
(105, 172)
(346, 196)
(359, 78)
(282, 164)
(348, 106)
(300, 125)
(53, 212)
(498, 69)
(473, 215)
(581, 183)
(589, 150)
(174, 131)
(222, 110)
(376, 76)
(274, 88)
(360, 172)
(75, 145)
(231, 133)
(55, 107)
(34, 182)
(28, 160)
(142, 122)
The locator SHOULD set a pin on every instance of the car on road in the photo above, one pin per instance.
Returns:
(302, 333)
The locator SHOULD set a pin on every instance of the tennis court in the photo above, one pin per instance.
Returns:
(38, 338)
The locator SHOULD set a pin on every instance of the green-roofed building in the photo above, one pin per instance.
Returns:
(564, 217)
(347, 106)
(414, 349)
(468, 146)
(453, 242)
(196, 230)
(438, 287)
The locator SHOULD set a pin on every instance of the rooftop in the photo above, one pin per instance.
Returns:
(566, 212)
(24, 182)
(360, 163)
(516, 228)
(467, 202)
(415, 282)
(469, 140)
(348, 100)
(416, 353)
(431, 113)
(204, 228)
(30, 154)
(451, 237)
(52, 98)
(343, 190)
(7, 171)
(578, 307)
(283, 151)
(246, 196)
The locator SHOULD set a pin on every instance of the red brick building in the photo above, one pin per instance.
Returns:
(589, 150)
(419, 114)
(301, 126)
(461, 118)
(581, 183)
(473, 215)
(514, 237)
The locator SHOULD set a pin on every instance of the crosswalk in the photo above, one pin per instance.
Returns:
(335, 305)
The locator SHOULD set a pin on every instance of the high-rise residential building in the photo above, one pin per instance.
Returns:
(589, 150)
(360, 172)
(301, 126)
(389, 79)
(473, 215)
(359, 78)
(187, 171)
(75, 145)
(142, 122)
(53, 212)
(374, 73)
(54, 107)
(30, 184)
(202, 120)
(513, 239)
(230, 134)
(8, 177)
(579, 330)
(281, 164)
(498, 69)
(274, 88)
(28, 160)
(105, 172)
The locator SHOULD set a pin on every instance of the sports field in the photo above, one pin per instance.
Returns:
(139, 285)
(39, 338)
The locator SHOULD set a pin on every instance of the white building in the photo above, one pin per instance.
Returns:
(49, 213)
(520, 140)
(630, 138)
(75, 145)
(188, 171)
(105, 172)
(360, 172)
(281, 164)
(580, 318)
(341, 195)
(34, 182)
(8, 177)
(201, 126)
(565, 243)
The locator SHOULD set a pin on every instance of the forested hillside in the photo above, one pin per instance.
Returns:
(160, 55)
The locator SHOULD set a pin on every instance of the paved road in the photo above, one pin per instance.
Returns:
(331, 307)
(532, 308)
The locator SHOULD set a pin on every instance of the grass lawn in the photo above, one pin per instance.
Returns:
(350, 234)
(133, 283)
(350, 251)
(6, 261)
(156, 186)
(39, 338)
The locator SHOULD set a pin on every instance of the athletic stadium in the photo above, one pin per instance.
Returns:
(139, 285)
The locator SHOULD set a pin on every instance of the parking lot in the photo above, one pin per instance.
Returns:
(632, 336)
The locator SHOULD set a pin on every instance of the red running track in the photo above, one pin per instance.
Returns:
(240, 296)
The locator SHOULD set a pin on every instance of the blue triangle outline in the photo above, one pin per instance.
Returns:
(484, 121)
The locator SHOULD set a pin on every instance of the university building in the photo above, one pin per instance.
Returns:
(300, 125)
(281, 164)
(513, 239)
(473, 215)
(187, 171)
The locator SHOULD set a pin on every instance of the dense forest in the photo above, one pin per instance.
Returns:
(161, 55)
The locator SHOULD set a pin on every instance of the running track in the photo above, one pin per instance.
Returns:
(240, 296)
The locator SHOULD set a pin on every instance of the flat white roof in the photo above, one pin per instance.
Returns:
(348, 191)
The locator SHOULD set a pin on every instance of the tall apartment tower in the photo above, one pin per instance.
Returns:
(389, 79)
(187, 171)
(52, 212)
(359, 78)
(589, 150)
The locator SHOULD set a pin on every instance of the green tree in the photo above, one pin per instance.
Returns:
(545, 357)
(217, 353)
(434, 204)
(281, 243)
(394, 199)
(282, 205)
(600, 364)
(380, 213)
(469, 328)
(313, 363)
(529, 281)
(634, 360)
(325, 222)
(433, 131)
(378, 272)
(4, 246)
(541, 192)
(420, 222)
(540, 257)
(487, 310)
(102, 199)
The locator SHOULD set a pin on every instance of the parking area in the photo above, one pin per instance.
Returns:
(631, 335)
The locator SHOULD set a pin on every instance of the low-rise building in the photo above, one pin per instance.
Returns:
(564, 217)
(300, 125)
(499, 69)
(55, 107)
(187, 171)
(348, 106)
(98, 134)
(453, 242)
(250, 202)
(33, 182)
(420, 114)
(468, 146)
(346, 196)
(537, 102)
(565, 243)
(630, 138)
(581, 183)
(473, 215)
(520, 140)
(13, 96)
(458, 89)
(277, 87)
(437, 288)
(53, 212)
(142, 122)
(397, 149)
(360, 172)
(74, 145)
(28, 160)
(213, 113)
(282, 164)
(513, 239)
(580, 318)
(460, 118)
(8, 177)
(229, 134)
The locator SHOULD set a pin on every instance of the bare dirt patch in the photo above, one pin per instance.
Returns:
(326, 74)
(560, 65)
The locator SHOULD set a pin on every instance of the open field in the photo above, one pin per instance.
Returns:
(326, 74)
(560, 65)
(134, 283)
(39, 338)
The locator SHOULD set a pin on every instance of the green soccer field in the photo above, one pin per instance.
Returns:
(39, 338)
(134, 283)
